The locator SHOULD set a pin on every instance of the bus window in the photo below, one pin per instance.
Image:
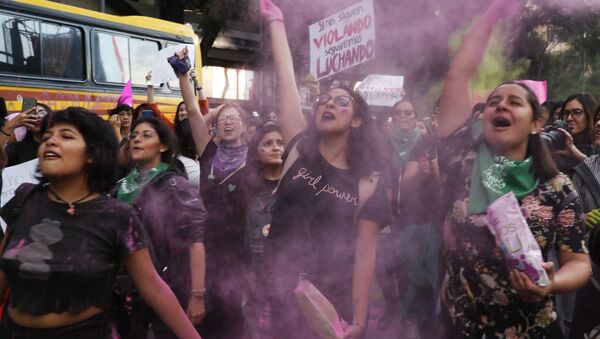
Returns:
(62, 50)
(32, 47)
(142, 54)
(19, 45)
(110, 58)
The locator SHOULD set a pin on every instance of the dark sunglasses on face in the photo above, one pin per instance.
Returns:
(340, 100)
(576, 113)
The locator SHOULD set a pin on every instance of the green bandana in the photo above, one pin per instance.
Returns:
(403, 143)
(495, 176)
(133, 183)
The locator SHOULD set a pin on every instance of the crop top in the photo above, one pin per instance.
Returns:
(55, 262)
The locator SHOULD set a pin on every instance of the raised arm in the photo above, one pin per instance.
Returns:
(150, 88)
(197, 122)
(455, 103)
(291, 119)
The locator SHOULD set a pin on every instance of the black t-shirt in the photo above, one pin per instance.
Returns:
(312, 229)
(225, 234)
(55, 262)
(22, 151)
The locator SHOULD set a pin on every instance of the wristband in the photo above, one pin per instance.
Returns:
(3, 132)
(199, 293)
(276, 19)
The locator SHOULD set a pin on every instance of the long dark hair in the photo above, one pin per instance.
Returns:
(544, 167)
(121, 108)
(100, 142)
(164, 134)
(364, 149)
(185, 140)
(589, 104)
(252, 155)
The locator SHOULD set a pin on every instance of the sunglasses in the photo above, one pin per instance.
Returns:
(576, 113)
(340, 100)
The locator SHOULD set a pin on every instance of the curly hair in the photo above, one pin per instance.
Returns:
(363, 154)
(100, 142)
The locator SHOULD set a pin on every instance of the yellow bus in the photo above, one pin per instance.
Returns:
(68, 56)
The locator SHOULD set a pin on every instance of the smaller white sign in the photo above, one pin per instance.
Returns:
(13, 177)
(162, 72)
(382, 90)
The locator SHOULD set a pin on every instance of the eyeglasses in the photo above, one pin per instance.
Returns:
(576, 113)
(404, 112)
(234, 119)
(340, 100)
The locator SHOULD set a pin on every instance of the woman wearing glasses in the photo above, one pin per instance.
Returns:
(317, 227)
(220, 159)
(577, 111)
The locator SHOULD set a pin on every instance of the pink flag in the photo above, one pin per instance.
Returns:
(126, 97)
(540, 88)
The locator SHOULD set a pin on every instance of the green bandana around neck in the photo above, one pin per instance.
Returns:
(403, 142)
(494, 176)
(133, 183)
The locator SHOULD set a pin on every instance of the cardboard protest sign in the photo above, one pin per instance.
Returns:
(162, 72)
(14, 176)
(382, 90)
(343, 40)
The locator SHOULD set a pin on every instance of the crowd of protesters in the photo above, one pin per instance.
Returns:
(210, 224)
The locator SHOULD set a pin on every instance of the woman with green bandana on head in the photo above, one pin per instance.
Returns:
(481, 297)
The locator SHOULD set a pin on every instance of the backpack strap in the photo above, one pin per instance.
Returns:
(17, 202)
(366, 190)
(590, 181)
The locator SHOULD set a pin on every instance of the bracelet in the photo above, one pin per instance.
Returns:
(273, 20)
(198, 293)
(3, 132)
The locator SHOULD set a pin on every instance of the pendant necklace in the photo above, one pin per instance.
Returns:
(71, 209)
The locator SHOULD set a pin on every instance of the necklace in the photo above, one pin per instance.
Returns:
(71, 209)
